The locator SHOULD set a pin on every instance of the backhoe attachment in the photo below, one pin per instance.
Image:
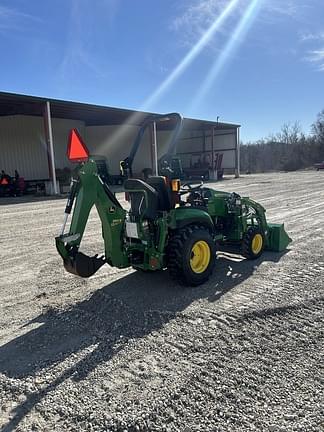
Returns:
(88, 189)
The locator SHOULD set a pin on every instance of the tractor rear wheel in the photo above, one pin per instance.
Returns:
(191, 255)
(253, 243)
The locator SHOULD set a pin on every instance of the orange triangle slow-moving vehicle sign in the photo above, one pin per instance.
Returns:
(77, 151)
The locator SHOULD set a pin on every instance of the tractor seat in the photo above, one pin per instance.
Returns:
(141, 206)
(163, 191)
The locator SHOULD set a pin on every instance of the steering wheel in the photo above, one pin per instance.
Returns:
(188, 187)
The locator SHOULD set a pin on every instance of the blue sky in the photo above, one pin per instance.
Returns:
(259, 63)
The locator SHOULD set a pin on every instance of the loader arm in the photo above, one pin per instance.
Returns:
(275, 237)
(259, 215)
(89, 190)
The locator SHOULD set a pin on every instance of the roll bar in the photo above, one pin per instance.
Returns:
(127, 163)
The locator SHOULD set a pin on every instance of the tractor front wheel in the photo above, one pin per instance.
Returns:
(253, 243)
(191, 255)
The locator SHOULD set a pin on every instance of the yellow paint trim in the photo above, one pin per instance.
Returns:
(200, 256)
(257, 244)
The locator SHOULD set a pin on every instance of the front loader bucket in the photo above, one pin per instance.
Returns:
(278, 238)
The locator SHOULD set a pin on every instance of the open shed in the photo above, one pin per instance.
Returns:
(34, 132)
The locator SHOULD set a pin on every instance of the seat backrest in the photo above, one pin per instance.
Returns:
(163, 191)
(143, 197)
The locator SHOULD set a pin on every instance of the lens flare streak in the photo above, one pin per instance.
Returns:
(191, 55)
(177, 71)
(136, 117)
(237, 37)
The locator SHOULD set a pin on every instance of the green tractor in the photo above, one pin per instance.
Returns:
(168, 226)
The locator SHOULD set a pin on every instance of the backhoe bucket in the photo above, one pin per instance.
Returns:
(83, 265)
(278, 238)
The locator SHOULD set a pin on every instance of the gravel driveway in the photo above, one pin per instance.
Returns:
(126, 351)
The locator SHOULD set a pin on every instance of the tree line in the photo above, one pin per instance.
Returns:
(288, 150)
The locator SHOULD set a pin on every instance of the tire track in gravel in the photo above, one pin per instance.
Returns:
(256, 375)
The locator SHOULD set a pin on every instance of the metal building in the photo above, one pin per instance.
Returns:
(34, 132)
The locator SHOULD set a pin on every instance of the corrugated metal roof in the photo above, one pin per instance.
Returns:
(92, 115)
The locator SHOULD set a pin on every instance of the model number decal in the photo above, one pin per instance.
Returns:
(116, 222)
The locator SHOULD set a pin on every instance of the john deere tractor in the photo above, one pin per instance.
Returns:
(169, 225)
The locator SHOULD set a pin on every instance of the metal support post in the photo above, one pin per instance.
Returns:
(212, 150)
(50, 146)
(155, 153)
(237, 153)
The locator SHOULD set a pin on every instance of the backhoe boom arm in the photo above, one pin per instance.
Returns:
(89, 190)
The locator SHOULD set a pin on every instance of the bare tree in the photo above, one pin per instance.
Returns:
(318, 127)
(290, 133)
(286, 150)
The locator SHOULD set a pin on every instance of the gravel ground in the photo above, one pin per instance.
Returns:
(125, 351)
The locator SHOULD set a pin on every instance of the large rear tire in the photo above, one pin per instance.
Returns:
(191, 255)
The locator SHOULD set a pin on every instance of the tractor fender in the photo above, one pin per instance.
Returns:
(183, 216)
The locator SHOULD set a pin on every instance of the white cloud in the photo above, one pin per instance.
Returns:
(315, 54)
(194, 16)
(317, 58)
(14, 19)
(305, 37)
(286, 8)
(199, 13)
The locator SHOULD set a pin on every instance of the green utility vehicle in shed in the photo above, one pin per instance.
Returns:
(168, 226)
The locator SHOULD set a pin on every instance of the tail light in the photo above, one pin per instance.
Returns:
(175, 185)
